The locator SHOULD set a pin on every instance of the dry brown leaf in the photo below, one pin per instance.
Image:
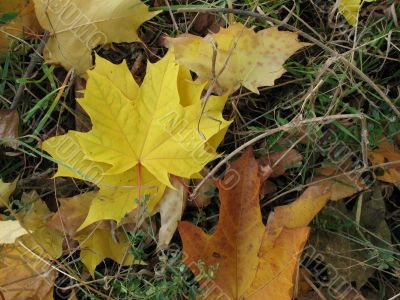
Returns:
(24, 276)
(9, 121)
(281, 161)
(255, 59)
(71, 213)
(24, 25)
(203, 199)
(252, 260)
(387, 153)
(250, 266)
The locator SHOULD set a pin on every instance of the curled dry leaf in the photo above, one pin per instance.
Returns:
(254, 59)
(140, 136)
(274, 165)
(171, 207)
(91, 23)
(9, 121)
(23, 25)
(203, 198)
(71, 213)
(387, 153)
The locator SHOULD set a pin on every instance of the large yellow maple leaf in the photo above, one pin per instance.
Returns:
(140, 135)
(76, 27)
(245, 57)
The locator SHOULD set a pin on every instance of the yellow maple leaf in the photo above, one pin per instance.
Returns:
(350, 10)
(76, 27)
(251, 59)
(140, 135)
(99, 244)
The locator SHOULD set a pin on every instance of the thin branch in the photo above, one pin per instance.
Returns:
(285, 128)
(35, 59)
(333, 52)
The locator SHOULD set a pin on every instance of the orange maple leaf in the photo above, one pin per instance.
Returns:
(252, 260)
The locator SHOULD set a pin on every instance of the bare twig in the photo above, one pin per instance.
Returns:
(294, 124)
(334, 53)
(35, 59)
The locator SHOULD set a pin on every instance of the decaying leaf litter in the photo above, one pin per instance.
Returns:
(82, 202)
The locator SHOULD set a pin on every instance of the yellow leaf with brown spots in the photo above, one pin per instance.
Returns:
(248, 58)
(387, 153)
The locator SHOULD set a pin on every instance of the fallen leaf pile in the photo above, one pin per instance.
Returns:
(147, 143)
(140, 137)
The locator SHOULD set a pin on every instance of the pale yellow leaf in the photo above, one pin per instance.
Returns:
(10, 231)
(247, 58)
(171, 207)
